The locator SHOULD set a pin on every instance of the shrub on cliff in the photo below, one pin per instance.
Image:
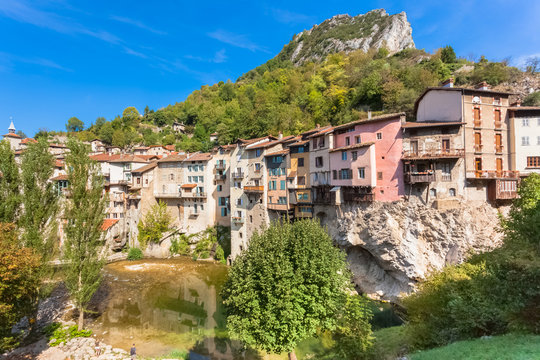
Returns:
(135, 254)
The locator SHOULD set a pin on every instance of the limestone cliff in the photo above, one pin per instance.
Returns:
(391, 246)
(372, 30)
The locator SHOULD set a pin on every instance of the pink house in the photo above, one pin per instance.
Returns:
(365, 161)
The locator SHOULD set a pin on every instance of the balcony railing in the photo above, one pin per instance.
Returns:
(434, 154)
(419, 177)
(278, 206)
(238, 175)
(502, 189)
(254, 189)
(167, 195)
(238, 219)
(220, 177)
(492, 174)
(478, 148)
(220, 166)
(193, 194)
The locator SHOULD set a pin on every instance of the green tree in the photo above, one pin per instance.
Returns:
(131, 117)
(106, 133)
(18, 283)
(10, 198)
(21, 134)
(155, 223)
(84, 214)
(290, 282)
(100, 121)
(74, 125)
(40, 200)
(119, 138)
(448, 55)
(532, 99)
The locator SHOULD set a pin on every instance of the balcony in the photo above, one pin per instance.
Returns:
(238, 175)
(492, 174)
(278, 206)
(167, 195)
(434, 154)
(194, 214)
(501, 189)
(237, 219)
(419, 177)
(117, 197)
(220, 166)
(220, 177)
(478, 148)
(192, 194)
(358, 197)
(259, 189)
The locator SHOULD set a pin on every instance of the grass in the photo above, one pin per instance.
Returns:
(505, 347)
(389, 343)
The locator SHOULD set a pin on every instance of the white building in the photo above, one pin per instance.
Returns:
(13, 139)
(525, 139)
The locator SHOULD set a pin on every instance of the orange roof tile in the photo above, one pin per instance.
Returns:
(173, 158)
(188, 186)
(108, 223)
(12, 135)
(199, 157)
(354, 146)
(60, 177)
(28, 140)
(281, 152)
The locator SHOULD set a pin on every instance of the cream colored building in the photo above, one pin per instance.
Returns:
(525, 139)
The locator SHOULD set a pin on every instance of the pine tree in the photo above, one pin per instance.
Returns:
(10, 198)
(40, 200)
(84, 214)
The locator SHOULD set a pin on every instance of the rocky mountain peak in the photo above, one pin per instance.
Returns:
(343, 32)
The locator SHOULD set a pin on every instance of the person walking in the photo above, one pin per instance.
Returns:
(133, 352)
(98, 348)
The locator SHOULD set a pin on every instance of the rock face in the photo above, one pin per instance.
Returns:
(391, 246)
(372, 30)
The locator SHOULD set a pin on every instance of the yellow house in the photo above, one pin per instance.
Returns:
(298, 179)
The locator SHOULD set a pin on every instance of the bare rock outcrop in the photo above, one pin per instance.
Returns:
(391, 246)
(372, 30)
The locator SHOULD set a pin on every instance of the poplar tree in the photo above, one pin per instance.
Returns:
(40, 200)
(10, 198)
(84, 214)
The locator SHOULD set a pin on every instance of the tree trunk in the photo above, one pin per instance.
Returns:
(81, 319)
(292, 355)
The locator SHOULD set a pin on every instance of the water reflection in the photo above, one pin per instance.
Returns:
(164, 305)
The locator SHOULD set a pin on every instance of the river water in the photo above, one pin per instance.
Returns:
(166, 305)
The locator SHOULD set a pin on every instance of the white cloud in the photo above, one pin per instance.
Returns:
(236, 40)
(10, 59)
(137, 23)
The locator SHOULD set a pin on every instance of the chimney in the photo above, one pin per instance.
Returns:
(448, 83)
(369, 114)
(280, 135)
(482, 86)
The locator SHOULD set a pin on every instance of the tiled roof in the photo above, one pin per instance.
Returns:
(373, 119)
(141, 148)
(169, 147)
(58, 163)
(173, 158)
(188, 186)
(28, 140)
(322, 131)
(199, 157)
(251, 141)
(145, 168)
(524, 108)
(131, 158)
(281, 152)
(354, 146)
(409, 125)
(60, 177)
(108, 223)
(104, 157)
(269, 143)
(12, 135)
(299, 143)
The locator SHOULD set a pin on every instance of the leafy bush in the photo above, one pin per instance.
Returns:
(135, 254)
(220, 255)
(59, 334)
(155, 223)
(532, 99)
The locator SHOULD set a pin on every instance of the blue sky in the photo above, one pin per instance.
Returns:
(62, 58)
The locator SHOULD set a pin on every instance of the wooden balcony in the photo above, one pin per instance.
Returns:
(278, 207)
(503, 189)
(220, 177)
(434, 154)
(220, 166)
(419, 177)
(254, 189)
(492, 174)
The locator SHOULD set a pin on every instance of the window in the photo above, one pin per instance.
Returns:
(358, 139)
(379, 136)
(258, 152)
(334, 174)
(321, 142)
(524, 122)
(272, 185)
(345, 174)
(201, 178)
(138, 181)
(347, 141)
(343, 155)
(220, 188)
(379, 175)
(446, 172)
(257, 166)
(524, 141)
(315, 143)
(239, 201)
(300, 162)
(282, 200)
(201, 167)
(533, 161)
(318, 161)
(300, 150)
(171, 177)
(497, 117)
(282, 185)
(476, 116)
(223, 211)
(452, 192)
(498, 143)
(497, 101)
(189, 168)
(362, 173)
(301, 180)
(354, 155)
(433, 192)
